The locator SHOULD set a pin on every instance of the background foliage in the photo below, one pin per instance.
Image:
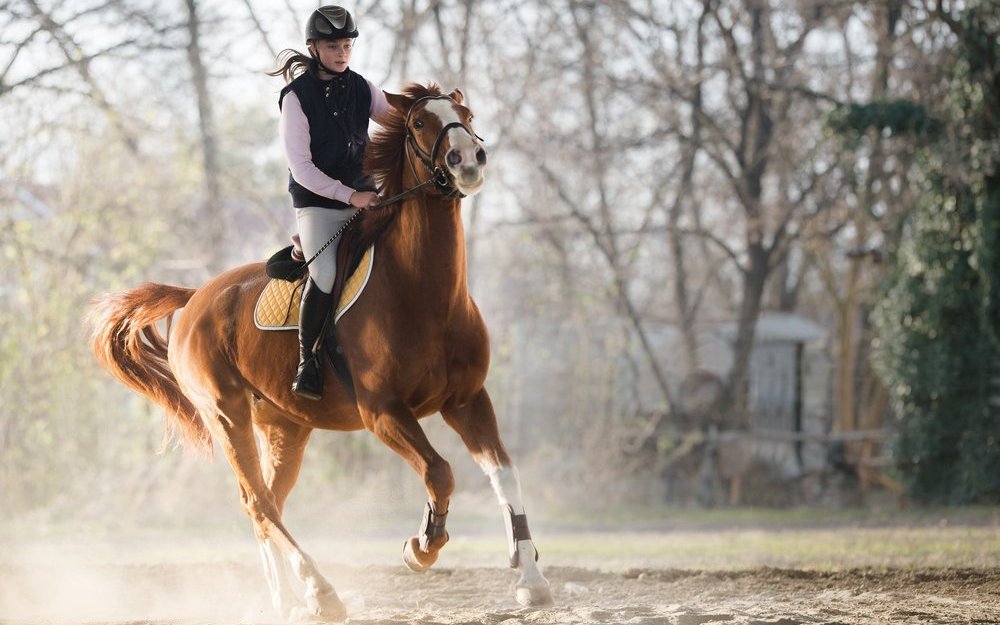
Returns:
(653, 165)
(938, 348)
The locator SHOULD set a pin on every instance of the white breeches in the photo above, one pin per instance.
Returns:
(316, 226)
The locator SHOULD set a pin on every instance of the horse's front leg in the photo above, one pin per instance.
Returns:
(281, 444)
(232, 429)
(396, 426)
(476, 423)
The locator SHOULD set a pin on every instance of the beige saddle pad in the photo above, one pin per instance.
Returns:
(278, 305)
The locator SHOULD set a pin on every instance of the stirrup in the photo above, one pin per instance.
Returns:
(301, 387)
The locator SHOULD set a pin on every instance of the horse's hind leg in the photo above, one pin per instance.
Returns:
(396, 426)
(282, 444)
(234, 432)
(476, 423)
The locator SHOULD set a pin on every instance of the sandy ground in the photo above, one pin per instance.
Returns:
(50, 585)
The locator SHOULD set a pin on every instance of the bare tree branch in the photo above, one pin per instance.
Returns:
(260, 28)
(77, 59)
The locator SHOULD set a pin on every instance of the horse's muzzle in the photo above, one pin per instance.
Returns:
(465, 160)
(469, 179)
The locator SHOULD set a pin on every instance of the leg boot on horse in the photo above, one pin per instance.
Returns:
(416, 340)
(312, 319)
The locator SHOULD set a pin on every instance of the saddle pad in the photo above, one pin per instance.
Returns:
(278, 305)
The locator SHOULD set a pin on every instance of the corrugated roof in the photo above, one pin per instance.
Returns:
(779, 328)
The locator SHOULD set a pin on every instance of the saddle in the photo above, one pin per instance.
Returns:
(278, 305)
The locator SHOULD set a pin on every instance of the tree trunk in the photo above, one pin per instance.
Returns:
(211, 212)
(746, 326)
(682, 297)
(849, 347)
(753, 151)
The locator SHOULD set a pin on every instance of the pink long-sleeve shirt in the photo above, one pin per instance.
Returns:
(293, 128)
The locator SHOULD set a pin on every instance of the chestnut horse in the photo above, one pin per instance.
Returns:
(415, 343)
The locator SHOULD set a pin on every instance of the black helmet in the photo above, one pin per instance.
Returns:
(331, 22)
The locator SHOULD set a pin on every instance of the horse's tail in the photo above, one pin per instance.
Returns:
(128, 344)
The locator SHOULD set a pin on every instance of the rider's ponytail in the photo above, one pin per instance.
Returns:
(290, 64)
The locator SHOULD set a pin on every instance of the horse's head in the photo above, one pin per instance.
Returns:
(439, 136)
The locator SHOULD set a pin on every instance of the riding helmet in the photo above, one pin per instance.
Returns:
(331, 22)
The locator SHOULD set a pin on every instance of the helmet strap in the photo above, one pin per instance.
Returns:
(315, 56)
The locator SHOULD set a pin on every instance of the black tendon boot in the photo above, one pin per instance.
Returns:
(312, 317)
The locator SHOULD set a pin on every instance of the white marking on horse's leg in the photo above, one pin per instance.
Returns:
(282, 596)
(320, 597)
(532, 588)
(506, 483)
(304, 568)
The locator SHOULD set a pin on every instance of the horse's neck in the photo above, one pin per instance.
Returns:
(429, 242)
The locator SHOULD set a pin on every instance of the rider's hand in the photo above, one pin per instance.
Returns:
(365, 199)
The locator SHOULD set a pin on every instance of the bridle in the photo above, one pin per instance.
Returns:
(438, 175)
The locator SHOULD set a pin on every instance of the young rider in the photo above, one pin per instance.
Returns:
(325, 108)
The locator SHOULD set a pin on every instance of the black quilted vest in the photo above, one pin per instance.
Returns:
(337, 111)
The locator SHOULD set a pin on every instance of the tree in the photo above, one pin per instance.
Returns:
(97, 184)
(938, 349)
(213, 206)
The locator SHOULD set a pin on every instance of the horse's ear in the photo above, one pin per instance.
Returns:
(399, 101)
(457, 96)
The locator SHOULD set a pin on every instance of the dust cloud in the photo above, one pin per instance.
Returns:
(188, 555)
(73, 592)
(51, 584)
(212, 573)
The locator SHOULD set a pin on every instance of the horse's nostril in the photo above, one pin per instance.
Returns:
(454, 157)
(481, 156)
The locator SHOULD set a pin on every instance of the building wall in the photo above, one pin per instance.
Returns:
(552, 380)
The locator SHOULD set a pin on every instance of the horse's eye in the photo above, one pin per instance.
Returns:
(418, 124)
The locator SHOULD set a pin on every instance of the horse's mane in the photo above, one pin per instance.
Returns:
(385, 161)
(384, 158)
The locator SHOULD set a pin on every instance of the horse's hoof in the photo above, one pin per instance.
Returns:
(533, 596)
(326, 608)
(286, 605)
(415, 559)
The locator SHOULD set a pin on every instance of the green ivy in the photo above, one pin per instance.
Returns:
(851, 121)
(938, 318)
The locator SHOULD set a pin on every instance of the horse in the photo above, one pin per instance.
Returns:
(415, 343)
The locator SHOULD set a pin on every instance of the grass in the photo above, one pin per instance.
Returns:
(618, 538)
(667, 517)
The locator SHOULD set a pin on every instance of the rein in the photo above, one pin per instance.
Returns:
(438, 175)
(427, 160)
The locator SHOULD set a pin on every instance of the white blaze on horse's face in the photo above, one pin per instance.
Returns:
(460, 151)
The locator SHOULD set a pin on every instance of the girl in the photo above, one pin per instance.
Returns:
(325, 108)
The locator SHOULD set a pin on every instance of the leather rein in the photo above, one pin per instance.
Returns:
(438, 175)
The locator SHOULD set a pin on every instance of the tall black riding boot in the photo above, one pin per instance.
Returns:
(315, 307)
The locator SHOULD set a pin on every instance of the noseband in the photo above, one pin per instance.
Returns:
(442, 179)
(439, 176)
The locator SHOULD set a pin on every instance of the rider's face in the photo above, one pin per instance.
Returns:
(335, 54)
